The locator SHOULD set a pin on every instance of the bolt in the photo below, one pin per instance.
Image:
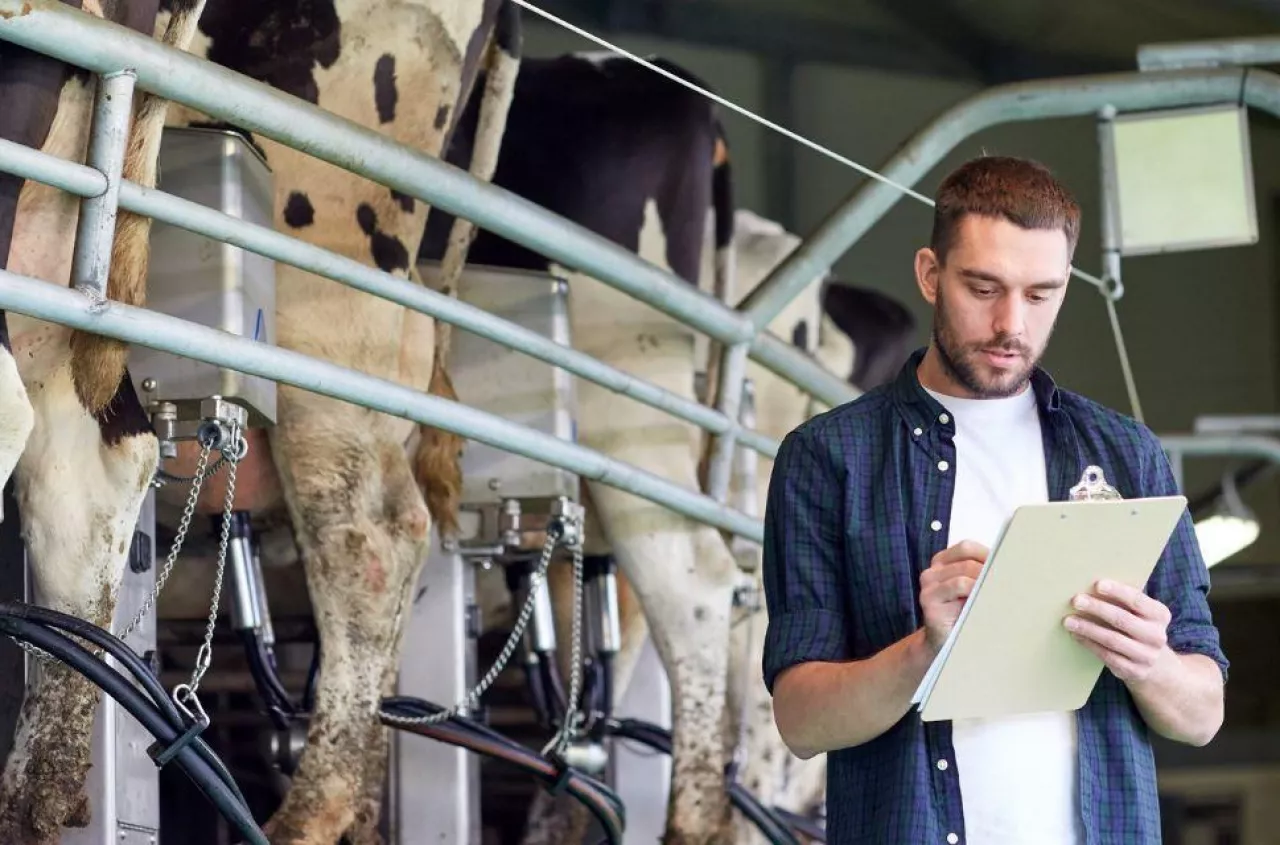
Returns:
(494, 484)
(149, 385)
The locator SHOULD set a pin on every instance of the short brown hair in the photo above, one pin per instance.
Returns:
(1020, 190)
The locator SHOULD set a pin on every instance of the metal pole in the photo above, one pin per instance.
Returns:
(801, 370)
(733, 369)
(1035, 100)
(1212, 52)
(62, 305)
(96, 227)
(272, 244)
(50, 27)
(1246, 446)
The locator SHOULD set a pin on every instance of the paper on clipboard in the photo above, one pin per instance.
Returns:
(1008, 652)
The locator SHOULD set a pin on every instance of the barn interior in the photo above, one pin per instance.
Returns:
(858, 79)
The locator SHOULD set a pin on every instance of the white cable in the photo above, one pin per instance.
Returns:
(1093, 280)
(726, 103)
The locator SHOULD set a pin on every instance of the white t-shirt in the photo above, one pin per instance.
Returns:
(1018, 775)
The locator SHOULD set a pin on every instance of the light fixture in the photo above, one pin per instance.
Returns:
(1230, 530)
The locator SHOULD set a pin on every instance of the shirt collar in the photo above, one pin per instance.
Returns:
(921, 411)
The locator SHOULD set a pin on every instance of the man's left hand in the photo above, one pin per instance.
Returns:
(1124, 626)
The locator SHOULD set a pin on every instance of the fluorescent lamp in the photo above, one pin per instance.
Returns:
(1222, 535)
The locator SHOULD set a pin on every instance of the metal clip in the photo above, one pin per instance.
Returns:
(1093, 486)
(570, 517)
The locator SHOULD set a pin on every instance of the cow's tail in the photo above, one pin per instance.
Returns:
(722, 205)
(97, 362)
(437, 462)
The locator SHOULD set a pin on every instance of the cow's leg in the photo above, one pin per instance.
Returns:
(80, 485)
(16, 415)
(682, 571)
(362, 526)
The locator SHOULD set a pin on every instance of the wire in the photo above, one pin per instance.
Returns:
(800, 139)
(111, 682)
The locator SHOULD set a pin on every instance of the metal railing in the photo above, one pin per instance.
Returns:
(112, 51)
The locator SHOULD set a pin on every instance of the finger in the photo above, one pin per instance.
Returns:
(949, 590)
(1120, 666)
(964, 550)
(939, 573)
(1131, 598)
(1108, 639)
(1120, 618)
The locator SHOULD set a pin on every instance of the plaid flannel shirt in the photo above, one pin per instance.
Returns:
(858, 502)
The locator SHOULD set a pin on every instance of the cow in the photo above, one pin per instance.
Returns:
(362, 490)
(634, 157)
(74, 436)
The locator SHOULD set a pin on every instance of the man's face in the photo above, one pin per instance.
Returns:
(995, 303)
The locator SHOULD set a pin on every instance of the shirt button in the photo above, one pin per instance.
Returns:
(942, 465)
(952, 838)
(918, 432)
(936, 525)
(944, 419)
(942, 765)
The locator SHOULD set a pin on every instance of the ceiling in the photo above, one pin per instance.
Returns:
(992, 41)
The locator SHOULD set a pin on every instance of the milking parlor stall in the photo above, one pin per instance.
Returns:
(313, 536)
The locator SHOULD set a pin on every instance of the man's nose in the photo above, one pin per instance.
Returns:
(1010, 316)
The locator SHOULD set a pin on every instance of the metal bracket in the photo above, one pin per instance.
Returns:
(211, 423)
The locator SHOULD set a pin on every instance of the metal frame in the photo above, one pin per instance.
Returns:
(85, 41)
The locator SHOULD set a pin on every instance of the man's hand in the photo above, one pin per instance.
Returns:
(1124, 626)
(945, 585)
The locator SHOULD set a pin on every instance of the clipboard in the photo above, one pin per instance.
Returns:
(1009, 653)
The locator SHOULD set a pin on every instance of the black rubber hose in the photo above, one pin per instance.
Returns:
(659, 739)
(114, 684)
(803, 825)
(602, 802)
(273, 694)
(128, 658)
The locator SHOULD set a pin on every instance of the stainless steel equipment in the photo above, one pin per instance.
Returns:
(212, 283)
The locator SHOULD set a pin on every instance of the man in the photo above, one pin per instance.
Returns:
(880, 515)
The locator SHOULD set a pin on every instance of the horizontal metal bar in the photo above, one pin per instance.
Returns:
(55, 303)
(798, 368)
(1244, 423)
(1035, 100)
(1244, 446)
(1210, 52)
(77, 179)
(267, 242)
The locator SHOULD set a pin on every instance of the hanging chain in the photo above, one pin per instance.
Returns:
(472, 699)
(572, 717)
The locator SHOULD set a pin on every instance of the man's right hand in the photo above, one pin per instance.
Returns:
(945, 585)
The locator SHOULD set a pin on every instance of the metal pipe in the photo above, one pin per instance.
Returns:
(267, 242)
(62, 305)
(1034, 100)
(1232, 424)
(96, 226)
(1246, 446)
(50, 27)
(733, 369)
(77, 179)
(1212, 52)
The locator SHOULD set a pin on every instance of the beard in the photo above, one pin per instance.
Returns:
(966, 364)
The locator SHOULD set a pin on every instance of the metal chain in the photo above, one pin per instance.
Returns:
(205, 655)
(572, 717)
(472, 699)
(184, 525)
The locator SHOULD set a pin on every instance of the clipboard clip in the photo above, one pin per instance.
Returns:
(1093, 486)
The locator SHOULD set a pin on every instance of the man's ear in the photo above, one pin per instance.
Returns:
(927, 274)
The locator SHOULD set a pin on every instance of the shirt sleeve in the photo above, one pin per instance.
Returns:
(802, 558)
(1181, 579)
